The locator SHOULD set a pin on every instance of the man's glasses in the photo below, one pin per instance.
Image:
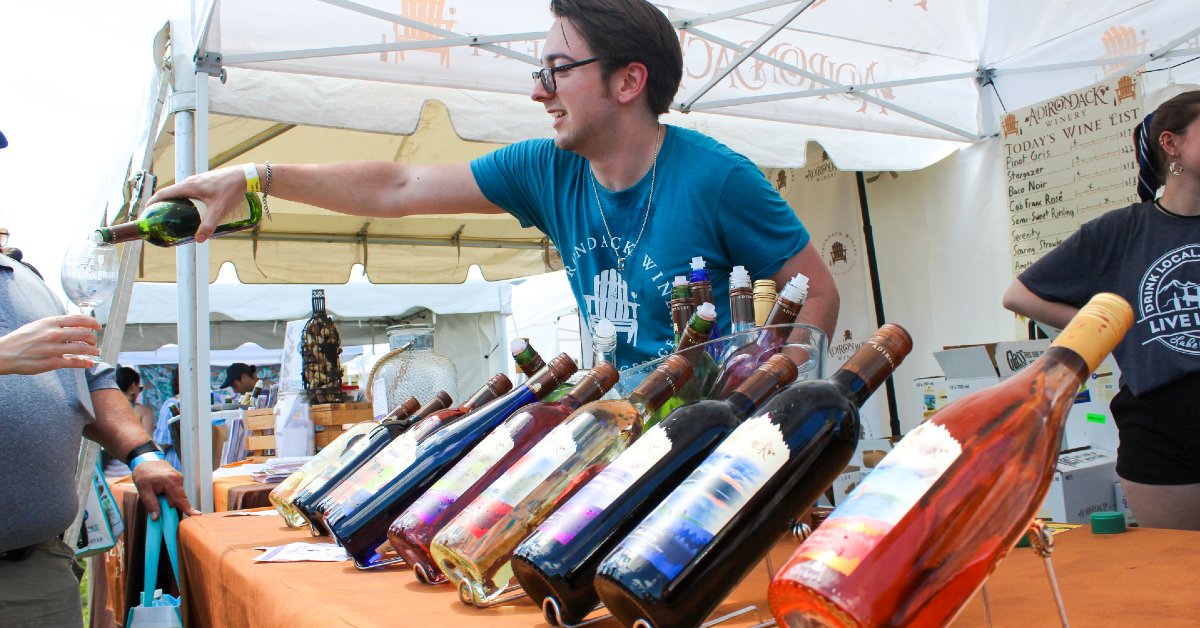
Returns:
(546, 75)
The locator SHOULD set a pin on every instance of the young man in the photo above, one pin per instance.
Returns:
(627, 200)
(241, 377)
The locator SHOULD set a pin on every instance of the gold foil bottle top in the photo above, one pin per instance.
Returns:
(1097, 328)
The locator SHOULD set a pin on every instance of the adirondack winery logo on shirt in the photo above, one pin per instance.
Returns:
(1170, 303)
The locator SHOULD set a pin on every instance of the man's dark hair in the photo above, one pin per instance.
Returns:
(1174, 115)
(620, 32)
(174, 383)
(127, 377)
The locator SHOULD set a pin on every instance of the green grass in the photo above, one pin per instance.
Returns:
(83, 588)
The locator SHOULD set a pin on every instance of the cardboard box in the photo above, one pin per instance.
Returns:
(1011, 357)
(968, 369)
(1083, 484)
(932, 395)
(846, 482)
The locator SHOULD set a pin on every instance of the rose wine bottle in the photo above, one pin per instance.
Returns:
(557, 563)
(920, 535)
(741, 362)
(411, 533)
(419, 425)
(475, 548)
(361, 524)
(174, 221)
(680, 562)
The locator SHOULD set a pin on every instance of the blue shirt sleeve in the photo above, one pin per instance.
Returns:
(518, 179)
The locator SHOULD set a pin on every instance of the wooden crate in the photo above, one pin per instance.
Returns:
(325, 434)
(340, 413)
(260, 431)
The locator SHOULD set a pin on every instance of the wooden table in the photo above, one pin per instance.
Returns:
(1143, 577)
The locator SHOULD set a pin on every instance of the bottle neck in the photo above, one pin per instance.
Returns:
(656, 389)
(489, 392)
(697, 332)
(865, 371)
(604, 351)
(741, 309)
(759, 387)
(784, 312)
(529, 361)
(547, 379)
(404, 410)
(587, 390)
(440, 401)
(124, 232)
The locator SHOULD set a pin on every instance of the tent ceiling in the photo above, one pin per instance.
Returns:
(847, 74)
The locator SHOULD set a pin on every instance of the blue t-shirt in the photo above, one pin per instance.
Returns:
(708, 201)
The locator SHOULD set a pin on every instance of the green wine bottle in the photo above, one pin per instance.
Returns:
(174, 221)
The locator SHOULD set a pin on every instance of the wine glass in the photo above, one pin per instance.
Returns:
(89, 277)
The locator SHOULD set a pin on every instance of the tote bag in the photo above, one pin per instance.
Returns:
(157, 610)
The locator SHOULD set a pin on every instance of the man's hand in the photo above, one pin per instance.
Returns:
(222, 190)
(39, 346)
(155, 477)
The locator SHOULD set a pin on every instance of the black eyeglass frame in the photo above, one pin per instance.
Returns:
(546, 75)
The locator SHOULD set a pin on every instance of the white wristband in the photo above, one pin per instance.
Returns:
(252, 183)
(146, 457)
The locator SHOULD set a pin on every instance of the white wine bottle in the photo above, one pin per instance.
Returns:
(174, 221)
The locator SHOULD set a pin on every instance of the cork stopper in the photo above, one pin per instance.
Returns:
(1097, 328)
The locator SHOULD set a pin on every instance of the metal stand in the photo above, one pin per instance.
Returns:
(1042, 541)
(466, 596)
(554, 618)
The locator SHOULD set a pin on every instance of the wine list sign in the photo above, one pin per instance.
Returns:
(1068, 160)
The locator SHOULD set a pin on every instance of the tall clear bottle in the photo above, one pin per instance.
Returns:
(412, 532)
(174, 221)
(739, 364)
(475, 548)
(360, 524)
(308, 499)
(741, 300)
(557, 563)
(417, 371)
(282, 496)
(680, 562)
(924, 530)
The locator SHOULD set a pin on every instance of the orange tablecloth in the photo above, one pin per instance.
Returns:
(222, 587)
(239, 492)
(1142, 577)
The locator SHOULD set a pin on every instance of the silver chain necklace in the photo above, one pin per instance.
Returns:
(653, 172)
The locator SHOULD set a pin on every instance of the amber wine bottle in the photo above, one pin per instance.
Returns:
(412, 532)
(922, 532)
(174, 221)
(475, 548)
(680, 562)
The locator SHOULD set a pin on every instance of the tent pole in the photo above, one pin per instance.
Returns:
(876, 292)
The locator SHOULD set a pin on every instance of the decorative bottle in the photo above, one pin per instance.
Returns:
(412, 532)
(360, 522)
(557, 563)
(475, 549)
(320, 348)
(680, 562)
(417, 370)
(174, 221)
(924, 530)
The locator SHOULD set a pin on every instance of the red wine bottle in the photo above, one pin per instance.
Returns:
(557, 563)
(679, 563)
(411, 533)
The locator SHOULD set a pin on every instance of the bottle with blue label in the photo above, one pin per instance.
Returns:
(679, 563)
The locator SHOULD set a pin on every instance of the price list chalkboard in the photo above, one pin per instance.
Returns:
(1068, 160)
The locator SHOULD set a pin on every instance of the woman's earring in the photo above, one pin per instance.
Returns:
(1175, 168)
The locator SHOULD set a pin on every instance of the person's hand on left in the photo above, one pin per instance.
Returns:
(155, 477)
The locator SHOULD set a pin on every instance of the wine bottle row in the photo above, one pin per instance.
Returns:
(657, 503)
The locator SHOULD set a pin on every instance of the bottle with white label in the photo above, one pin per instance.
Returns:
(412, 532)
(174, 221)
(557, 563)
(679, 563)
(475, 548)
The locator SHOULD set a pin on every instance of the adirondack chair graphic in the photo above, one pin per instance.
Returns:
(432, 12)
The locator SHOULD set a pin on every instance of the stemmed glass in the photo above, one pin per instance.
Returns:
(89, 277)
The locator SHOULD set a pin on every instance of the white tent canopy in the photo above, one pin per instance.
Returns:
(879, 84)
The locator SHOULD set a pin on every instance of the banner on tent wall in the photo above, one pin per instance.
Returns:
(1068, 160)
(826, 199)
